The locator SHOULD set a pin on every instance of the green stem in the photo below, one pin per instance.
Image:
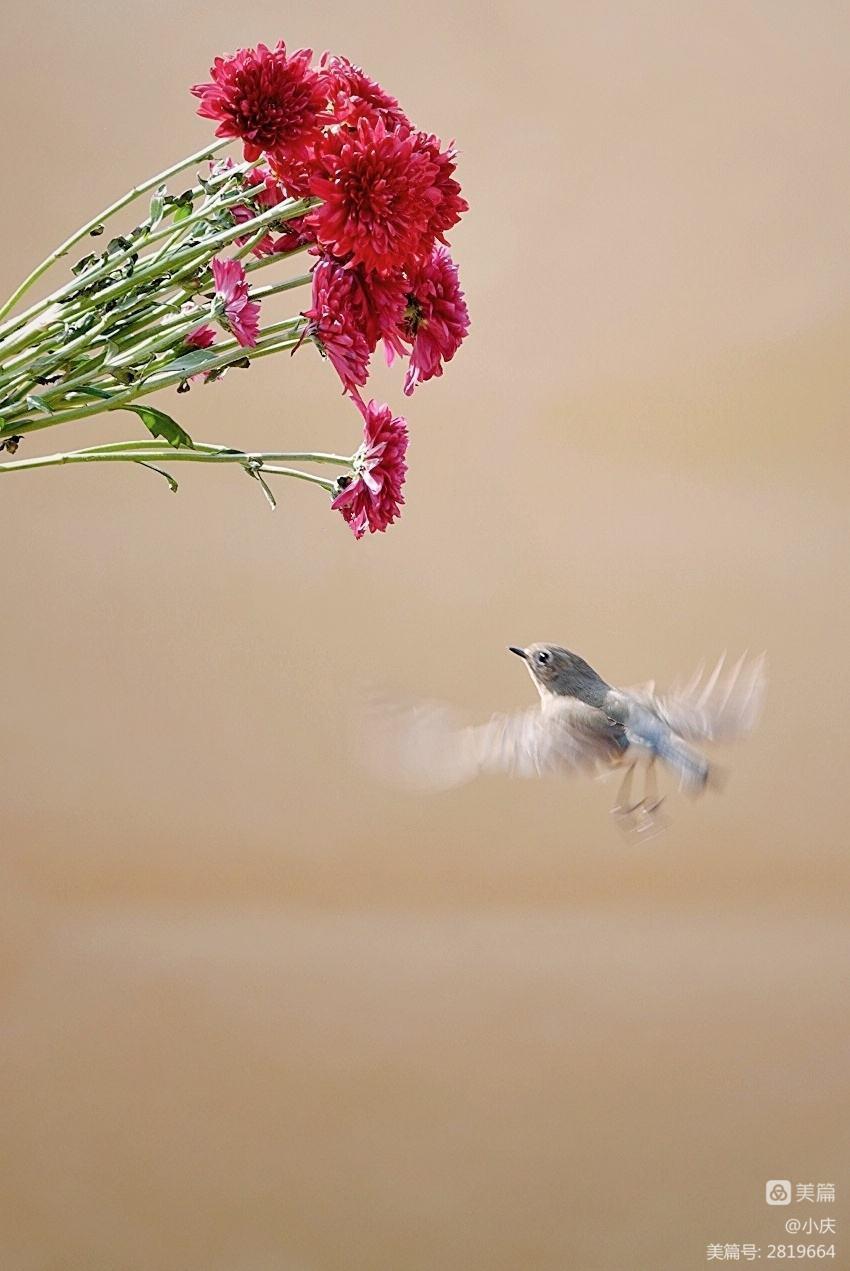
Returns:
(221, 201)
(31, 336)
(140, 315)
(129, 197)
(164, 343)
(248, 247)
(148, 269)
(166, 338)
(208, 448)
(277, 471)
(142, 322)
(260, 293)
(228, 353)
(214, 200)
(142, 325)
(89, 339)
(166, 454)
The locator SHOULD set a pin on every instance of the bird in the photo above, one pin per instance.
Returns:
(582, 724)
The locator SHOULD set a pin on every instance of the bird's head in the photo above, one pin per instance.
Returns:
(556, 670)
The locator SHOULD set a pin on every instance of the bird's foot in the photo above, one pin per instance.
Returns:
(627, 809)
(640, 820)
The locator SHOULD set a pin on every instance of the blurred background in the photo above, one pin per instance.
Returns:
(260, 1013)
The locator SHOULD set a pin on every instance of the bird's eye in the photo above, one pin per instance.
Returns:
(543, 657)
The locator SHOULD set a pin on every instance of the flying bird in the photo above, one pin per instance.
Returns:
(581, 725)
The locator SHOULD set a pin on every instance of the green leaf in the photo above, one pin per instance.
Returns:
(100, 393)
(252, 467)
(189, 363)
(83, 264)
(38, 403)
(161, 472)
(181, 212)
(161, 425)
(157, 208)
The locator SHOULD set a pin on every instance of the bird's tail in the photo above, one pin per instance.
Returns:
(693, 769)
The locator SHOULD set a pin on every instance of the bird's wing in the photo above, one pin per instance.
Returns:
(426, 745)
(720, 706)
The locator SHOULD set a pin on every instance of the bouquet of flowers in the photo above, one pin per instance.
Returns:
(331, 168)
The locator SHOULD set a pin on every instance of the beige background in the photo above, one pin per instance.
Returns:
(260, 1013)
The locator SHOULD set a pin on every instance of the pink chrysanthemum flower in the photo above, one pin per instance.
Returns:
(436, 319)
(337, 321)
(354, 96)
(241, 315)
(272, 101)
(372, 498)
(382, 192)
(201, 338)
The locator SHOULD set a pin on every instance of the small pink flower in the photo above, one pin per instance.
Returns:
(294, 235)
(265, 246)
(270, 195)
(353, 95)
(337, 321)
(274, 102)
(241, 315)
(201, 338)
(436, 319)
(372, 498)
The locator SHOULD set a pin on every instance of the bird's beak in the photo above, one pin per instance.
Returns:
(519, 652)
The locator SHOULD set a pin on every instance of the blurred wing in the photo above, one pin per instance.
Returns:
(718, 707)
(427, 746)
(566, 738)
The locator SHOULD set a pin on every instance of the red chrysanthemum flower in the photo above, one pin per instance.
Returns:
(372, 498)
(382, 193)
(295, 173)
(241, 315)
(387, 302)
(354, 96)
(337, 321)
(275, 103)
(449, 206)
(436, 319)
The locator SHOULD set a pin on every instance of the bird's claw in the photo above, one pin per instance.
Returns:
(627, 809)
(641, 819)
